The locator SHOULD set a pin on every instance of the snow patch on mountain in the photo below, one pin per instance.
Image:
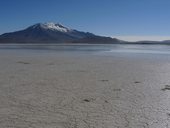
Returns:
(55, 27)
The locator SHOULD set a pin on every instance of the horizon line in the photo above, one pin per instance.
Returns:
(142, 38)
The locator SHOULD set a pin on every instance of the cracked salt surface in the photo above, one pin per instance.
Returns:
(83, 91)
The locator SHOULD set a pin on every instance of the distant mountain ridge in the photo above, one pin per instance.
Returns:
(52, 33)
(47, 33)
(43, 33)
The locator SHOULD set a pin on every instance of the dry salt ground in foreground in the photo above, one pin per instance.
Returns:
(55, 90)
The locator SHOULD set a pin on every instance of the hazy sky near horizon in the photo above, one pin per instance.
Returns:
(116, 18)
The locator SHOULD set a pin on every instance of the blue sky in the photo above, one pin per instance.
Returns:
(104, 17)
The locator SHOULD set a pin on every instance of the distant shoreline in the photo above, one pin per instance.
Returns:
(77, 44)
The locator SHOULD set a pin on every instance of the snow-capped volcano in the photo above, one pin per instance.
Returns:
(55, 27)
(52, 33)
(44, 33)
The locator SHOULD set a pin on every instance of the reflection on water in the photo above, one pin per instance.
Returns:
(154, 49)
(113, 48)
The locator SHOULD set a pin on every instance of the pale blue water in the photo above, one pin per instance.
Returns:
(99, 49)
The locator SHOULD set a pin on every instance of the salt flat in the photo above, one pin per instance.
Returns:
(80, 90)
